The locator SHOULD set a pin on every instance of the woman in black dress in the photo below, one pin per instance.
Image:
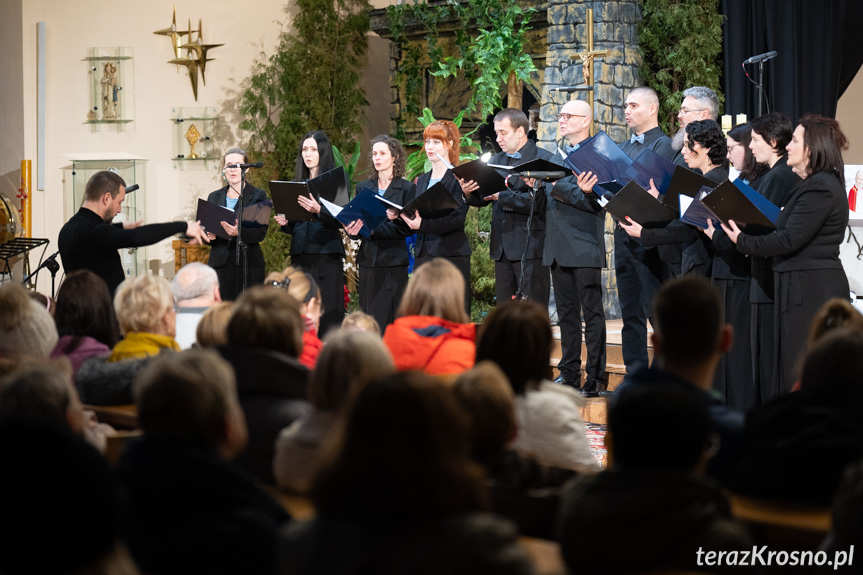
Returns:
(317, 247)
(223, 254)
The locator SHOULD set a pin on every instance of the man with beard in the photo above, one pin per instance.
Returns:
(699, 103)
(89, 241)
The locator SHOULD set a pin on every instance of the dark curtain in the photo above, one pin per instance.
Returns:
(819, 52)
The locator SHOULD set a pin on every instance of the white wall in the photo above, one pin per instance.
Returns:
(73, 27)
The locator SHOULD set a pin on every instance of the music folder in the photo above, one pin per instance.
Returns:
(637, 203)
(651, 166)
(363, 207)
(684, 182)
(434, 203)
(739, 202)
(332, 186)
(211, 215)
(285, 196)
(489, 179)
(600, 155)
(694, 212)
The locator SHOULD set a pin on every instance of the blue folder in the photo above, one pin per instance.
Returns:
(604, 158)
(739, 202)
(650, 166)
(697, 214)
(363, 207)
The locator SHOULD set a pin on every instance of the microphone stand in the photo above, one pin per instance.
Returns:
(519, 294)
(760, 88)
(241, 245)
(53, 267)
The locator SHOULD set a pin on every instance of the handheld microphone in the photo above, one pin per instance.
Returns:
(542, 175)
(132, 188)
(246, 166)
(761, 57)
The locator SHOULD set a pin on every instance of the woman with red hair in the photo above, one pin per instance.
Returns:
(442, 237)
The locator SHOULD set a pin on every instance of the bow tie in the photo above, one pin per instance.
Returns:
(570, 149)
(637, 139)
(515, 156)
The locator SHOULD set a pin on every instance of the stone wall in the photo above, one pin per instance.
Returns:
(614, 30)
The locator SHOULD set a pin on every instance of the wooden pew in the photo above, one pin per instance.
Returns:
(783, 525)
(117, 416)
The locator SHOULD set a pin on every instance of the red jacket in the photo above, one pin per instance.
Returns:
(311, 348)
(434, 345)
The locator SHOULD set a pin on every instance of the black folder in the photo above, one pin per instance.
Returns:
(684, 181)
(436, 202)
(637, 203)
(285, 196)
(363, 207)
(739, 202)
(211, 215)
(332, 186)
(697, 214)
(489, 179)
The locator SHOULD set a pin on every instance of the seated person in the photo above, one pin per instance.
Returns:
(187, 507)
(433, 332)
(361, 321)
(42, 393)
(796, 447)
(265, 336)
(686, 354)
(85, 319)
(520, 488)
(145, 310)
(27, 330)
(651, 511)
(516, 336)
(303, 288)
(348, 361)
(397, 492)
(196, 289)
(212, 330)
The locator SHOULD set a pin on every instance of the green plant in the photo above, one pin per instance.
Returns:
(681, 46)
(350, 166)
(477, 226)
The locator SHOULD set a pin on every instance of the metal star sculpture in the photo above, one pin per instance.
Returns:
(195, 59)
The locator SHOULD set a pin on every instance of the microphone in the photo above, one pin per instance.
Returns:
(542, 175)
(246, 166)
(132, 188)
(760, 58)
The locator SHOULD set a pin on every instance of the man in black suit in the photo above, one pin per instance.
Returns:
(89, 241)
(512, 214)
(575, 252)
(639, 270)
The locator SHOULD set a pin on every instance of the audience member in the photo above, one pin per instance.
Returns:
(348, 360)
(650, 512)
(59, 501)
(26, 327)
(847, 531)
(796, 447)
(265, 336)
(85, 319)
(41, 393)
(196, 289)
(212, 330)
(397, 492)
(432, 331)
(517, 337)
(520, 488)
(188, 508)
(686, 354)
(360, 321)
(304, 289)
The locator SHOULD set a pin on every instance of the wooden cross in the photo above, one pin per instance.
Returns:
(586, 59)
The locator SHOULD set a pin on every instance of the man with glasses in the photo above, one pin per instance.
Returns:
(699, 103)
(575, 252)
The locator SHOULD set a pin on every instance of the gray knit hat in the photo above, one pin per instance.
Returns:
(26, 327)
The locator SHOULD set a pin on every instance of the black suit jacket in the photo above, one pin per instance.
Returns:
(386, 247)
(574, 234)
(511, 211)
(321, 236)
(443, 237)
(252, 236)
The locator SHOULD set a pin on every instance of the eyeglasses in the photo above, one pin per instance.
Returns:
(731, 148)
(684, 111)
(566, 117)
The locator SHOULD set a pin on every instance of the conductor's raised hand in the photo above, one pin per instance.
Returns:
(309, 204)
(586, 181)
(131, 225)
(195, 233)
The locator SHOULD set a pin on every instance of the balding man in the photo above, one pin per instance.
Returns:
(575, 252)
(699, 103)
(196, 288)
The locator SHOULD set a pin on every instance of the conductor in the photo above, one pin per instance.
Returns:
(89, 241)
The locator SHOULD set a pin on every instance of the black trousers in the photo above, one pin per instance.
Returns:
(537, 282)
(578, 291)
(328, 272)
(639, 273)
(381, 290)
(734, 377)
(231, 277)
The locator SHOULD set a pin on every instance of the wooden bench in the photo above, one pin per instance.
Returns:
(117, 416)
(781, 524)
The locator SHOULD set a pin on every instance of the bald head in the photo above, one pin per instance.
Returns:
(575, 125)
